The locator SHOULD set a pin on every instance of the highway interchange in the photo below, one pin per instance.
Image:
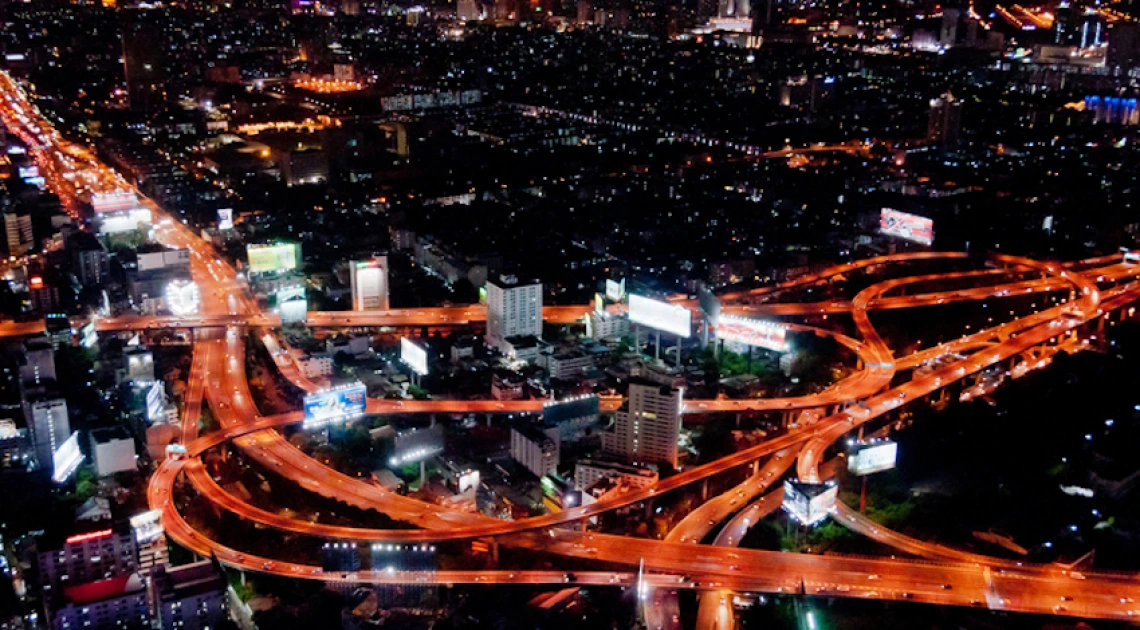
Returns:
(1096, 288)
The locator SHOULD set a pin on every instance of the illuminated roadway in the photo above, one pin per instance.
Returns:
(1031, 589)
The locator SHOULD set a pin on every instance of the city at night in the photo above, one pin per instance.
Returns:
(569, 314)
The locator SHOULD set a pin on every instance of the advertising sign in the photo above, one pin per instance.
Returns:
(225, 218)
(753, 332)
(710, 305)
(113, 202)
(809, 503)
(294, 311)
(468, 480)
(147, 526)
(182, 297)
(871, 457)
(268, 258)
(615, 290)
(341, 403)
(908, 226)
(66, 458)
(413, 356)
(28, 172)
(670, 318)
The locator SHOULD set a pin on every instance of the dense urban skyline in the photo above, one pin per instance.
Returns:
(534, 314)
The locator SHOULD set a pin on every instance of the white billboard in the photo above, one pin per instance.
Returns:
(182, 297)
(809, 503)
(147, 526)
(113, 223)
(114, 202)
(615, 290)
(670, 318)
(905, 225)
(269, 258)
(369, 280)
(414, 356)
(871, 457)
(468, 480)
(225, 218)
(66, 458)
(753, 332)
(294, 311)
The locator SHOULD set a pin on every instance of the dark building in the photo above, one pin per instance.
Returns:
(1123, 46)
(144, 60)
(945, 120)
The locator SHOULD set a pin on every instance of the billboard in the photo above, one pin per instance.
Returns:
(294, 311)
(182, 297)
(28, 172)
(341, 403)
(864, 458)
(809, 503)
(908, 226)
(468, 480)
(124, 221)
(1131, 256)
(670, 318)
(114, 202)
(413, 356)
(268, 258)
(753, 332)
(66, 459)
(147, 526)
(369, 280)
(225, 218)
(615, 290)
(416, 445)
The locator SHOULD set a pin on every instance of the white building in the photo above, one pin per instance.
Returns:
(514, 309)
(646, 430)
(112, 451)
(315, 365)
(600, 325)
(589, 471)
(536, 448)
(567, 363)
(369, 280)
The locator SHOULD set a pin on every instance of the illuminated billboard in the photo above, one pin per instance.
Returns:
(66, 458)
(182, 297)
(753, 332)
(468, 480)
(114, 202)
(413, 356)
(809, 503)
(112, 223)
(147, 526)
(908, 226)
(269, 258)
(294, 311)
(864, 458)
(369, 280)
(615, 290)
(1131, 256)
(670, 318)
(341, 403)
(225, 218)
(28, 172)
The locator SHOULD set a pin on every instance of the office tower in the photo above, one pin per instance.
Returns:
(1090, 30)
(369, 280)
(948, 34)
(945, 120)
(514, 309)
(646, 429)
(189, 597)
(48, 427)
(144, 60)
(38, 369)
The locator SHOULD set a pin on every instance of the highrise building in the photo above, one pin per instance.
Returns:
(945, 120)
(948, 33)
(514, 309)
(18, 229)
(1064, 24)
(536, 448)
(189, 597)
(48, 427)
(1090, 30)
(369, 280)
(467, 10)
(646, 429)
(144, 59)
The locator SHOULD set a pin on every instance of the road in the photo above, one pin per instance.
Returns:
(218, 377)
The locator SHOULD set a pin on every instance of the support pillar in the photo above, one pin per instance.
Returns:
(495, 551)
(705, 489)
